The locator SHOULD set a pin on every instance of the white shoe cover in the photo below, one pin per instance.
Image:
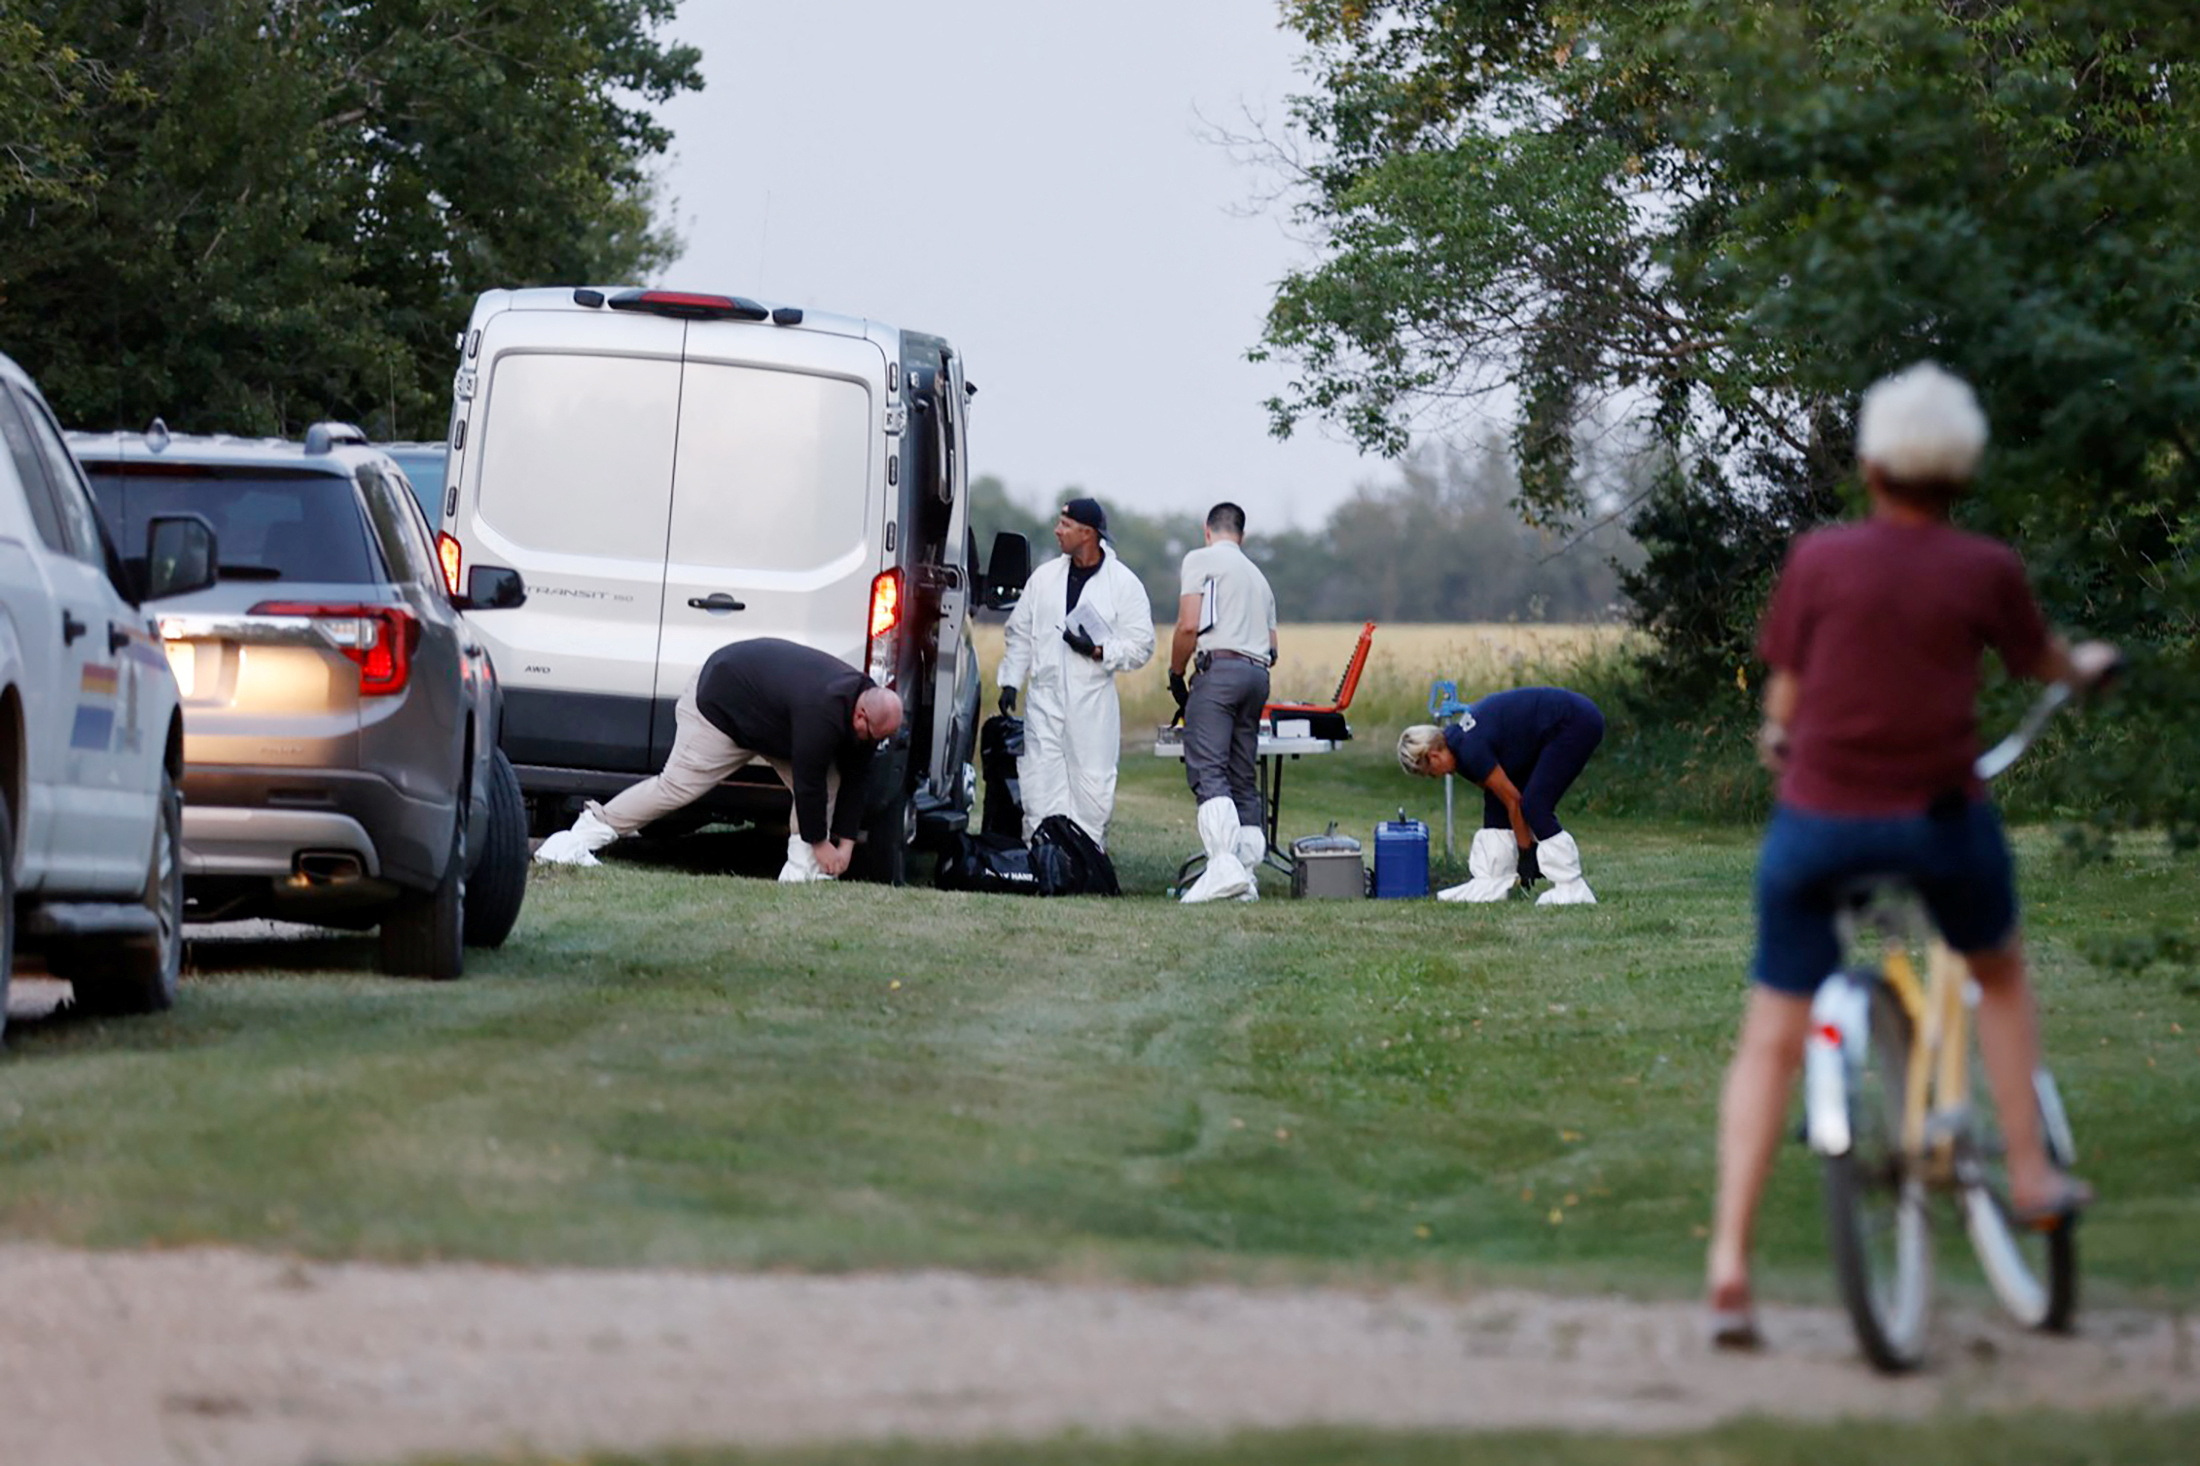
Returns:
(578, 846)
(1225, 875)
(1251, 846)
(1560, 859)
(801, 866)
(564, 848)
(1493, 868)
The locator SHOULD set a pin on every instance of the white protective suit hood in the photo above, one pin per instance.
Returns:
(1073, 724)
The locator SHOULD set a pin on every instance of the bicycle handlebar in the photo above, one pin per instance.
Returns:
(2052, 699)
(1996, 760)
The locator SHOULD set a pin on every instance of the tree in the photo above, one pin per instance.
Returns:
(1441, 543)
(46, 92)
(288, 215)
(1730, 217)
(993, 512)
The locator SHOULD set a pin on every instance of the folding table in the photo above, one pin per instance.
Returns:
(1274, 750)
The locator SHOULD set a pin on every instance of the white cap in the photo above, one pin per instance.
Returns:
(1921, 425)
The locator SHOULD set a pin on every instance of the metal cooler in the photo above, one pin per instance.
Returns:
(1328, 867)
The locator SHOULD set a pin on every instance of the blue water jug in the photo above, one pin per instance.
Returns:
(1401, 859)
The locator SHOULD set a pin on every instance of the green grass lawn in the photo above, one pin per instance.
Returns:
(2040, 1440)
(668, 1065)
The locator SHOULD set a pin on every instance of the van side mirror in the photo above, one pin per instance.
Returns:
(1007, 571)
(180, 556)
(492, 588)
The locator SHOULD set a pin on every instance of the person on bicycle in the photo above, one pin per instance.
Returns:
(1874, 638)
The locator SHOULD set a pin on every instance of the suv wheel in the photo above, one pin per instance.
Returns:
(139, 974)
(499, 883)
(424, 933)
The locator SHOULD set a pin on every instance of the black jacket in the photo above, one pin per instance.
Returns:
(792, 702)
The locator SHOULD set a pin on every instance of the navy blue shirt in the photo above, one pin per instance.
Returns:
(1508, 730)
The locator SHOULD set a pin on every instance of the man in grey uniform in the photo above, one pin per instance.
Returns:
(1226, 615)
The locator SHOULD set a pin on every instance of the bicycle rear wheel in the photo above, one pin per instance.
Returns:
(1876, 1219)
(2034, 1273)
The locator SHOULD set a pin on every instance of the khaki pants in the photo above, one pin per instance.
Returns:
(702, 758)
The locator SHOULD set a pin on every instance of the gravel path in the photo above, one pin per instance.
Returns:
(205, 1356)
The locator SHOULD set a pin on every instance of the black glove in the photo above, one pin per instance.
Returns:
(1008, 701)
(1180, 690)
(1081, 644)
(1530, 872)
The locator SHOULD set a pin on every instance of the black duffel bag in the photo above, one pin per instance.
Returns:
(1068, 862)
(1061, 861)
(996, 864)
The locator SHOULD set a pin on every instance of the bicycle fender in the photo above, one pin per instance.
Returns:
(1840, 1027)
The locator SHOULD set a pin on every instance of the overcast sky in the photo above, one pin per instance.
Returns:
(1032, 180)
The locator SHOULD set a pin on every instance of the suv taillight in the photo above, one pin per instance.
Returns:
(453, 556)
(885, 620)
(381, 639)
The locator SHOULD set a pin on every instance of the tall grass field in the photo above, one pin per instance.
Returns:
(1402, 661)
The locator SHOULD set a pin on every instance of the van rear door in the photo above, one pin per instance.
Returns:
(776, 499)
(569, 479)
(957, 668)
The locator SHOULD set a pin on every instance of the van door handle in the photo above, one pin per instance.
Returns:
(71, 628)
(118, 637)
(715, 602)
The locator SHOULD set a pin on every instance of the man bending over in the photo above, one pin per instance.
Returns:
(812, 717)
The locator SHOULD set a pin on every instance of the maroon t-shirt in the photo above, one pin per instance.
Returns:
(1883, 625)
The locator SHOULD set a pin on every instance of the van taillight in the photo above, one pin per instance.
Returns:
(381, 639)
(885, 620)
(453, 557)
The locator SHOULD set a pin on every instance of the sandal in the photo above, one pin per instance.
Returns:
(1732, 1321)
(2072, 1196)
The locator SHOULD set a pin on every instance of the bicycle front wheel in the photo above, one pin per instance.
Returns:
(1876, 1218)
(2033, 1272)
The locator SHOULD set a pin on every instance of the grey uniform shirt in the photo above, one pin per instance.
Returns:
(1237, 610)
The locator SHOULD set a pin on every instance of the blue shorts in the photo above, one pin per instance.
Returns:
(1958, 861)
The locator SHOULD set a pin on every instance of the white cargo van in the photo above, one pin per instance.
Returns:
(671, 472)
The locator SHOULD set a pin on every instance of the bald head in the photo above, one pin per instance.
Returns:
(878, 714)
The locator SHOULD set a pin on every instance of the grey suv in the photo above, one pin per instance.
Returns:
(341, 717)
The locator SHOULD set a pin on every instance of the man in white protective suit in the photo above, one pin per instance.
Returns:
(1083, 619)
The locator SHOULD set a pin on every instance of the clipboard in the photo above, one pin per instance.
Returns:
(1092, 621)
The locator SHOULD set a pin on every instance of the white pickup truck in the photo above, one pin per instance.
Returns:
(91, 738)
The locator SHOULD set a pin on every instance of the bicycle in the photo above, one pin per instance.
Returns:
(1890, 1105)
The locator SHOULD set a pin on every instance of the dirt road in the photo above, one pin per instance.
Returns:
(205, 1356)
